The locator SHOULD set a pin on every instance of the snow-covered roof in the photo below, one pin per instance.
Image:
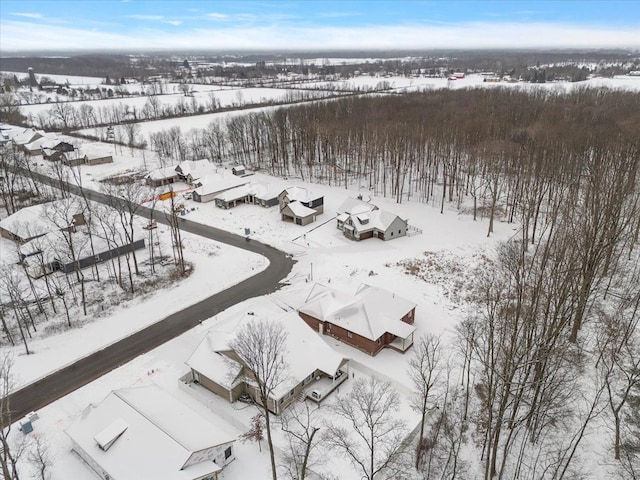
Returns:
(22, 137)
(49, 151)
(301, 194)
(378, 219)
(264, 191)
(299, 210)
(196, 168)
(304, 353)
(369, 312)
(236, 193)
(219, 183)
(163, 173)
(51, 143)
(161, 435)
(38, 143)
(258, 190)
(208, 360)
(354, 206)
(31, 221)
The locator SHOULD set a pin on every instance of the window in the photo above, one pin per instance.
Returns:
(349, 334)
(227, 453)
(399, 231)
(392, 234)
(378, 341)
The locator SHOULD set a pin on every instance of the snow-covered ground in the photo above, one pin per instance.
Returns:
(452, 241)
(201, 97)
(185, 123)
(322, 255)
(415, 83)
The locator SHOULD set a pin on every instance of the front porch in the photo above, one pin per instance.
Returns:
(401, 344)
(323, 385)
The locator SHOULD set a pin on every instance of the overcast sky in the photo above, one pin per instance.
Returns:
(137, 25)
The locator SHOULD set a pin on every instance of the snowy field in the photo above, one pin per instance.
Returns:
(418, 83)
(185, 123)
(201, 97)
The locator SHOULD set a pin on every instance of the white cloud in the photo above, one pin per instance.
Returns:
(145, 17)
(16, 35)
(175, 23)
(27, 15)
(218, 16)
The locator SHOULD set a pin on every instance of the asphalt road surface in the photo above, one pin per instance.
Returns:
(64, 381)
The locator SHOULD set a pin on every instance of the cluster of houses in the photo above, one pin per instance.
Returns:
(44, 232)
(369, 319)
(357, 219)
(34, 142)
(117, 437)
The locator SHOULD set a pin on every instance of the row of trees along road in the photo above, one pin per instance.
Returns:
(28, 303)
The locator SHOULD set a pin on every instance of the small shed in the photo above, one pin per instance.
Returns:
(238, 170)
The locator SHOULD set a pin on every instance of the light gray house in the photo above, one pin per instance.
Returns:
(352, 206)
(378, 223)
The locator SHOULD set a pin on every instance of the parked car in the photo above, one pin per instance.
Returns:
(187, 195)
(316, 395)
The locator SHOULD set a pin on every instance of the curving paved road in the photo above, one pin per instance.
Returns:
(93, 366)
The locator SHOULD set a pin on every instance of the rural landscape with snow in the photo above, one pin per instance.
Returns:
(406, 263)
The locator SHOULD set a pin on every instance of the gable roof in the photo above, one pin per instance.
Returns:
(218, 183)
(40, 141)
(298, 210)
(163, 173)
(300, 194)
(354, 206)
(195, 168)
(161, 435)
(369, 312)
(30, 222)
(304, 353)
(27, 135)
(258, 190)
(376, 219)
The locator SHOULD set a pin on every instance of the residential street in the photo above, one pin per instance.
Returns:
(87, 369)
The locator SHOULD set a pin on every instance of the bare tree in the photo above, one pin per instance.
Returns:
(9, 453)
(373, 441)
(39, 457)
(423, 370)
(260, 344)
(301, 428)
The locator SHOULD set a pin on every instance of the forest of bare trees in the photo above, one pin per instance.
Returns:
(553, 336)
